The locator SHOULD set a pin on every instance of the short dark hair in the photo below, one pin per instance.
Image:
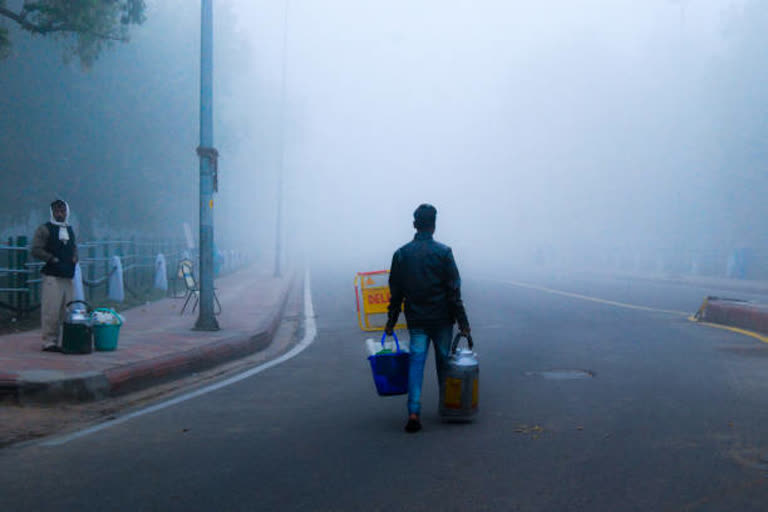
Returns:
(58, 203)
(424, 217)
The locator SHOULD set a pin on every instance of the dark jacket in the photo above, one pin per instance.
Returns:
(424, 275)
(46, 246)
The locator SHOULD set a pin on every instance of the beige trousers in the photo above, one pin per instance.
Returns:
(57, 291)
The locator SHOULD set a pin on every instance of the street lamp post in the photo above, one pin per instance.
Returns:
(206, 320)
(281, 165)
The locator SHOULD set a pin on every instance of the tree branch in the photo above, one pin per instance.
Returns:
(18, 18)
(50, 28)
(92, 24)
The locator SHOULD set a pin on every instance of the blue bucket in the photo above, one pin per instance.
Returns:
(105, 335)
(390, 370)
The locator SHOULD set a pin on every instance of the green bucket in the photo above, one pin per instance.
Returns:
(105, 335)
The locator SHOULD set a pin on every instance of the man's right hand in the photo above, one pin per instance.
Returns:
(389, 330)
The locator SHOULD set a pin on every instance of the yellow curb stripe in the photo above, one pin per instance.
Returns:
(595, 299)
(737, 330)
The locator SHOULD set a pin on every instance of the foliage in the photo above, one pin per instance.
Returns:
(85, 26)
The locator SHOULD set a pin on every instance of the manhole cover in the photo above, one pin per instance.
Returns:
(563, 374)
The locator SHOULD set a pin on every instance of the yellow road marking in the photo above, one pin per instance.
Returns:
(596, 299)
(737, 330)
(692, 318)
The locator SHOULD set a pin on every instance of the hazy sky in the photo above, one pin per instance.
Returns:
(561, 128)
(555, 123)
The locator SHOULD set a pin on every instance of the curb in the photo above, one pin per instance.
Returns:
(747, 317)
(50, 387)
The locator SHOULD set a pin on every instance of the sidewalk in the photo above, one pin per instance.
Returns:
(156, 344)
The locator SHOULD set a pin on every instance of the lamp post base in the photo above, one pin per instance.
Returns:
(206, 324)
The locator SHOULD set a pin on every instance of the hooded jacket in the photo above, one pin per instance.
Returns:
(54, 243)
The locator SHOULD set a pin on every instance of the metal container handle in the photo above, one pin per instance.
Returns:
(87, 306)
(456, 340)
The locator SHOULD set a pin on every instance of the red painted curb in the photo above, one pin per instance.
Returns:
(148, 373)
(735, 313)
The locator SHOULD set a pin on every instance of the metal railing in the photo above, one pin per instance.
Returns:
(20, 278)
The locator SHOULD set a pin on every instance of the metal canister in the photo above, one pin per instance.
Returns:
(459, 382)
(77, 337)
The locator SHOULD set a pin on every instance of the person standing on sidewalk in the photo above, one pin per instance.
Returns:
(424, 275)
(54, 243)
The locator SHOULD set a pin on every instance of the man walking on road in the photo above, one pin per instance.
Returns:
(54, 243)
(424, 275)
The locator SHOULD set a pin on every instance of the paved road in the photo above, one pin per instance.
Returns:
(671, 420)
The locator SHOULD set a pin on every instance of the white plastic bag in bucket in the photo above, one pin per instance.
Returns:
(374, 347)
(104, 316)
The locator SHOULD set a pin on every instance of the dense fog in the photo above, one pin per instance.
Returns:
(623, 134)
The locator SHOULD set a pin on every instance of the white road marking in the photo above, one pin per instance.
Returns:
(310, 331)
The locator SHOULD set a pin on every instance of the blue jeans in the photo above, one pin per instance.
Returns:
(441, 337)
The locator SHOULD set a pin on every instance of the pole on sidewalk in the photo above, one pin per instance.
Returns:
(281, 166)
(279, 224)
(206, 320)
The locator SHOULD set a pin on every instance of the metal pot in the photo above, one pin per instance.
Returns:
(77, 337)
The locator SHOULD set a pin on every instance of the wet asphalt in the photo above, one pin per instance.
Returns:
(584, 406)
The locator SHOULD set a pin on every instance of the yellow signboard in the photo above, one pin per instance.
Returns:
(372, 294)
(376, 300)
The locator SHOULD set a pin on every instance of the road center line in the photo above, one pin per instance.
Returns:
(690, 317)
(595, 299)
(310, 331)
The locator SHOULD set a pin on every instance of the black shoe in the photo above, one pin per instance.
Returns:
(412, 426)
(52, 348)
